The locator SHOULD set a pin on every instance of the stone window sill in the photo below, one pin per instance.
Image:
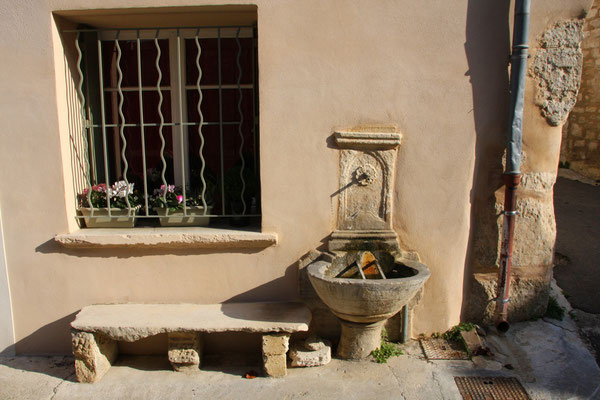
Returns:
(167, 238)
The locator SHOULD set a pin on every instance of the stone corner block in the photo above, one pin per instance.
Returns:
(94, 354)
(275, 365)
(302, 356)
(275, 344)
(185, 350)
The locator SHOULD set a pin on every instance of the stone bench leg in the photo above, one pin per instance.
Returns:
(94, 354)
(185, 350)
(274, 349)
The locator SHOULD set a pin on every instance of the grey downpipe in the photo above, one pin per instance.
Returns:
(512, 172)
(405, 324)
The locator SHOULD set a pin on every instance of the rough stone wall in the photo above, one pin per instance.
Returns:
(535, 232)
(581, 135)
(556, 69)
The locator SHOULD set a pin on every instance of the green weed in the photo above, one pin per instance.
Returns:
(554, 311)
(386, 350)
(454, 332)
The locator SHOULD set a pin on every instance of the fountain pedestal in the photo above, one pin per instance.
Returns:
(358, 340)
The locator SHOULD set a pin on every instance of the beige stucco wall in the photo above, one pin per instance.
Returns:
(438, 70)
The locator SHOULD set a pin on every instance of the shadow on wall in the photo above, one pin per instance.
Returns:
(323, 322)
(279, 289)
(487, 48)
(58, 332)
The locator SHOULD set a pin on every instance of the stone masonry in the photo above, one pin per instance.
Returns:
(274, 350)
(185, 350)
(94, 353)
(581, 135)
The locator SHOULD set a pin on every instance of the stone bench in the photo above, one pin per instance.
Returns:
(98, 328)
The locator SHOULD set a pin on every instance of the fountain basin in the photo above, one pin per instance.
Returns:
(360, 300)
(367, 300)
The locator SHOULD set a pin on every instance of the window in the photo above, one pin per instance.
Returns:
(169, 124)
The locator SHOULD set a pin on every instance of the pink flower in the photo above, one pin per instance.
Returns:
(99, 188)
(179, 199)
(169, 188)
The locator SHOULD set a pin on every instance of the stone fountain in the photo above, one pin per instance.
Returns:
(365, 278)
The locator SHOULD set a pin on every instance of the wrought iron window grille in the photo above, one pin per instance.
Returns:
(161, 108)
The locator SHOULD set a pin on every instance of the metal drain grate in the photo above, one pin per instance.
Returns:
(484, 388)
(441, 349)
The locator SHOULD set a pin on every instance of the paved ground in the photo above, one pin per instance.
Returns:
(577, 209)
(577, 270)
(548, 358)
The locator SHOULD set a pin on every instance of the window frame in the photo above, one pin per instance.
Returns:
(178, 96)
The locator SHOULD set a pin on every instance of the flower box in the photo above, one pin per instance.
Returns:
(195, 216)
(120, 218)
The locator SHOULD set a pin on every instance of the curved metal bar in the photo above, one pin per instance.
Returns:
(122, 128)
(239, 107)
(83, 121)
(103, 115)
(181, 93)
(220, 81)
(161, 117)
(200, 124)
(142, 132)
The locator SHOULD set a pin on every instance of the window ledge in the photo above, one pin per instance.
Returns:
(203, 238)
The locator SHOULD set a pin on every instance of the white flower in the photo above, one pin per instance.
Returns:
(121, 189)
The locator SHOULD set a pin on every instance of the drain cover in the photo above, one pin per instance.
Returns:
(483, 388)
(441, 349)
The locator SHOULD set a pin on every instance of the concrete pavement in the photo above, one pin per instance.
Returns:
(577, 270)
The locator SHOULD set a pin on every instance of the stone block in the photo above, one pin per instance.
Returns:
(276, 343)
(275, 365)
(575, 129)
(487, 364)
(300, 356)
(595, 23)
(472, 341)
(94, 354)
(528, 297)
(185, 350)
(313, 343)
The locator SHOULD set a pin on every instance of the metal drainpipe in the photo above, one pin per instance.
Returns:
(512, 172)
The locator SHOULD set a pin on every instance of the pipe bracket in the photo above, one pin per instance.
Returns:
(504, 301)
(510, 213)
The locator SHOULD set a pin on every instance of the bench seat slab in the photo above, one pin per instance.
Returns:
(131, 322)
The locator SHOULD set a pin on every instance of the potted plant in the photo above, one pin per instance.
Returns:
(168, 202)
(124, 205)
